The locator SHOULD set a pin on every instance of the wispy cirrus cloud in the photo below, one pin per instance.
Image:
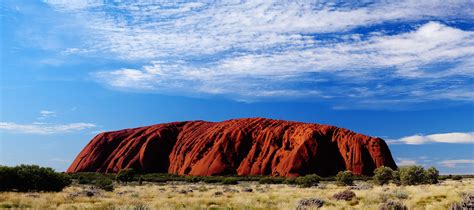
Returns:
(406, 162)
(458, 163)
(44, 128)
(259, 50)
(452, 138)
(46, 114)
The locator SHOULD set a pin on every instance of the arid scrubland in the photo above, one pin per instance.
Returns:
(245, 195)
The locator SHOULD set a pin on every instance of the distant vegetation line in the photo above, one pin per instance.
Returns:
(25, 178)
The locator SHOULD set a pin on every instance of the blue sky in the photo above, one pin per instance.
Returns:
(401, 71)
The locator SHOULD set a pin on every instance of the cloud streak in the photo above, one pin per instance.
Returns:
(406, 162)
(451, 138)
(259, 50)
(46, 114)
(44, 128)
(457, 163)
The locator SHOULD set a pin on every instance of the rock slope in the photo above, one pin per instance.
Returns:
(251, 146)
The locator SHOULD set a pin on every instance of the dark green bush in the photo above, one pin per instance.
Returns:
(105, 184)
(345, 178)
(346, 195)
(396, 177)
(271, 180)
(412, 175)
(25, 178)
(456, 177)
(162, 177)
(432, 175)
(290, 181)
(192, 179)
(230, 181)
(90, 177)
(125, 175)
(308, 180)
(383, 175)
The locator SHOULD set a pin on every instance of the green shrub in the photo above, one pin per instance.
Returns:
(230, 180)
(25, 178)
(308, 180)
(271, 180)
(162, 177)
(345, 178)
(125, 175)
(89, 177)
(192, 179)
(383, 175)
(290, 180)
(212, 179)
(396, 177)
(412, 175)
(432, 175)
(105, 184)
(456, 177)
(346, 195)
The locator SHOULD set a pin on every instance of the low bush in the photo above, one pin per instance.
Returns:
(105, 184)
(25, 178)
(456, 177)
(230, 181)
(309, 203)
(163, 177)
(212, 179)
(271, 180)
(125, 175)
(400, 194)
(345, 178)
(192, 179)
(289, 181)
(90, 177)
(346, 195)
(392, 205)
(308, 180)
(412, 175)
(396, 177)
(383, 175)
(432, 175)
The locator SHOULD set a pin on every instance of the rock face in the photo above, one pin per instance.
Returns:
(252, 146)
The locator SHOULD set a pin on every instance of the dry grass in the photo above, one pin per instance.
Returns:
(170, 196)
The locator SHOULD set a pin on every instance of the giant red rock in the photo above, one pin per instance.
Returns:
(252, 146)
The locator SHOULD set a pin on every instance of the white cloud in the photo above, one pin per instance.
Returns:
(44, 128)
(141, 30)
(255, 50)
(406, 162)
(347, 63)
(457, 163)
(455, 137)
(46, 114)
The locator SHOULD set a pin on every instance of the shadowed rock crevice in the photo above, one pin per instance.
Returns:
(251, 146)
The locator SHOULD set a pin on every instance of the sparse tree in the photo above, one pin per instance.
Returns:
(25, 178)
(383, 175)
(345, 178)
(432, 175)
(308, 180)
(125, 175)
(412, 175)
